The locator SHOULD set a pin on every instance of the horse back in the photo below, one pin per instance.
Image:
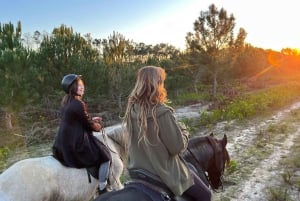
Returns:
(127, 193)
(139, 191)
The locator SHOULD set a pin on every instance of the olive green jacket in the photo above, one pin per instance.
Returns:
(160, 155)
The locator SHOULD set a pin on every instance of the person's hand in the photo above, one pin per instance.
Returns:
(97, 119)
(184, 129)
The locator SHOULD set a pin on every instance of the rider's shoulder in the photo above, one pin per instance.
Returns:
(163, 109)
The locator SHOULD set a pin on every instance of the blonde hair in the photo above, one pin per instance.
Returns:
(148, 93)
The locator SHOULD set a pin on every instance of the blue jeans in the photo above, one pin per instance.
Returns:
(103, 174)
(199, 191)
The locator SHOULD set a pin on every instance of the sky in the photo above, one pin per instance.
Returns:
(270, 24)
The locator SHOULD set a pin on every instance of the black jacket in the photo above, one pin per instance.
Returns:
(75, 145)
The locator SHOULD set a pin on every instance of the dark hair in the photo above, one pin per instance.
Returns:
(72, 92)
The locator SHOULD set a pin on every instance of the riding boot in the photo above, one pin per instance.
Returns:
(103, 176)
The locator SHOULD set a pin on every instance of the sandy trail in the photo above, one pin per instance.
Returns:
(262, 176)
(264, 173)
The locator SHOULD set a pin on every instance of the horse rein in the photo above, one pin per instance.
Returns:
(104, 136)
(197, 161)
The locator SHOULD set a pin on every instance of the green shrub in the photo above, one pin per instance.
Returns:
(251, 104)
(3, 157)
(279, 193)
(232, 167)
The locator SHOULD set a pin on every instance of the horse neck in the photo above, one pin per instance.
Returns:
(199, 153)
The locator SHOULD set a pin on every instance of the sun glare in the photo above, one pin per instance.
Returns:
(297, 51)
(275, 59)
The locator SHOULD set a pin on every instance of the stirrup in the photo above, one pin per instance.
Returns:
(100, 192)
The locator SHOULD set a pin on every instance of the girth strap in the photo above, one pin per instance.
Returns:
(92, 171)
(89, 176)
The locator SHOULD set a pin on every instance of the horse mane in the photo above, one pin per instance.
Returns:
(119, 137)
(194, 142)
(227, 157)
(199, 145)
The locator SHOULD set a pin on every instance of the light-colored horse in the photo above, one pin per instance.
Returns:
(46, 179)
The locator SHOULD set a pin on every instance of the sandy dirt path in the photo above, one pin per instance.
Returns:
(252, 184)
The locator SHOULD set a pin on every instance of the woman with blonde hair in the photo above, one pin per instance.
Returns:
(155, 137)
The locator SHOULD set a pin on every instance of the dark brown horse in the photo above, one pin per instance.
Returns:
(205, 155)
(208, 155)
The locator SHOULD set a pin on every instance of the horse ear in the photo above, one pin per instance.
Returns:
(211, 134)
(224, 140)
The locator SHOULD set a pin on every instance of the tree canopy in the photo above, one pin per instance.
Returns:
(213, 45)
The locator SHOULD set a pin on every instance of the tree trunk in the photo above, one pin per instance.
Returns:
(120, 102)
(8, 121)
(215, 83)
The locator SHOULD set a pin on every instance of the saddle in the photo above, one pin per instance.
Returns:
(151, 185)
(93, 171)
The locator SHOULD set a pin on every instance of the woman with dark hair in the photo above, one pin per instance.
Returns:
(75, 145)
(156, 139)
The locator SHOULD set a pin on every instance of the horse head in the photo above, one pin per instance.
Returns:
(218, 161)
(208, 154)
